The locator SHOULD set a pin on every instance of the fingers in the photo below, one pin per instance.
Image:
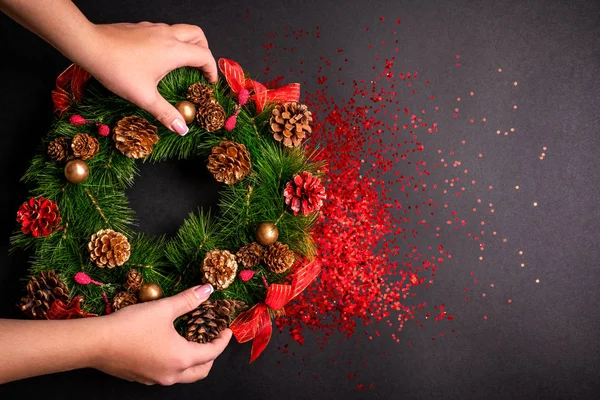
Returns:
(195, 373)
(190, 34)
(188, 300)
(203, 353)
(201, 57)
(166, 114)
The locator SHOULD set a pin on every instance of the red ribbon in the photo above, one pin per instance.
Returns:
(234, 74)
(256, 322)
(69, 87)
(60, 310)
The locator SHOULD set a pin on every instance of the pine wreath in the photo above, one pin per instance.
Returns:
(78, 213)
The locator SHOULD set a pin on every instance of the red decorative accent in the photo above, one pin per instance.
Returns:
(78, 120)
(38, 216)
(231, 121)
(246, 275)
(256, 322)
(84, 279)
(234, 74)
(103, 129)
(60, 310)
(69, 87)
(107, 309)
(305, 194)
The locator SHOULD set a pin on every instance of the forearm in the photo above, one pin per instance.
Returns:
(59, 22)
(30, 348)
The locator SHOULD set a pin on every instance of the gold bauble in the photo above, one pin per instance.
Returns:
(187, 109)
(267, 233)
(76, 171)
(149, 292)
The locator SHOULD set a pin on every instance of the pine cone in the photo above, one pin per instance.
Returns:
(229, 162)
(109, 248)
(200, 94)
(134, 281)
(59, 149)
(42, 290)
(210, 318)
(290, 122)
(219, 268)
(38, 216)
(123, 299)
(304, 194)
(211, 116)
(279, 258)
(84, 146)
(135, 137)
(250, 255)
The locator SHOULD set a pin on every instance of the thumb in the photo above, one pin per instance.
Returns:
(189, 299)
(166, 114)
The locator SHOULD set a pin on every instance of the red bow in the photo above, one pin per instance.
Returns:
(256, 322)
(60, 310)
(234, 74)
(73, 78)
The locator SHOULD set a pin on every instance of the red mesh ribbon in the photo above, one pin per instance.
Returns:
(256, 322)
(69, 87)
(60, 310)
(234, 74)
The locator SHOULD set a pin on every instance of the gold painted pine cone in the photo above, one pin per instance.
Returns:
(123, 299)
(279, 258)
(229, 162)
(59, 149)
(200, 94)
(219, 268)
(250, 255)
(210, 318)
(135, 137)
(211, 116)
(84, 146)
(133, 281)
(42, 289)
(109, 248)
(290, 123)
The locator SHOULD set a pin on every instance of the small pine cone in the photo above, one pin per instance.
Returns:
(211, 116)
(279, 258)
(84, 146)
(59, 149)
(290, 122)
(42, 290)
(134, 281)
(200, 94)
(210, 318)
(229, 162)
(123, 299)
(250, 255)
(219, 268)
(109, 248)
(135, 137)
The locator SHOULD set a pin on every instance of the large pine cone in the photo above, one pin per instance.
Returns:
(134, 281)
(59, 149)
(42, 290)
(290, 122)
(279, 258)
(229, 162)
(200, 94)
(135, 137)
(210, 318)
(123, 299)
(250, 255)
(109, 248)
(219, 268)
(84, 146)
(211, 116)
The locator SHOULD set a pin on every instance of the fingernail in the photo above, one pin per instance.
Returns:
(202, 292)
(180, 127)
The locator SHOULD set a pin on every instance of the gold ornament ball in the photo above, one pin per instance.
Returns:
(76, 171)
(187, 109)
(149, 292)
(267, 233)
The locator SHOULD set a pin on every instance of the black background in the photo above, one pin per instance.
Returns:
(543, 344)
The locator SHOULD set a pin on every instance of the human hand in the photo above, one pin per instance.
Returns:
(139, 342)
(130, 60)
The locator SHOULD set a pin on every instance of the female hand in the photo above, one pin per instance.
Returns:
(140, 343)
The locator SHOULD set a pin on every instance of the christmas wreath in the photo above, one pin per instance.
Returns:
(256, 249)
